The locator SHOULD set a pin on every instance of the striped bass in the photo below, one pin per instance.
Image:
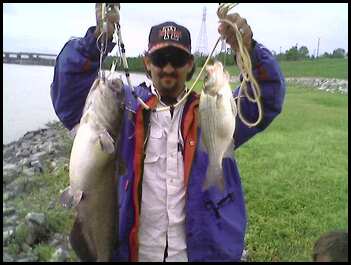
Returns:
(217, 111)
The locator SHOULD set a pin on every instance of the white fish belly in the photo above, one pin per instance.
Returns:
(217, 123)
(88, 161)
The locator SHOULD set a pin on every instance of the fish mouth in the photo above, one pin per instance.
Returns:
(115, 84)
(208, 73)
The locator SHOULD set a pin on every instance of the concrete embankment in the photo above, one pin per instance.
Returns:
(331, 85)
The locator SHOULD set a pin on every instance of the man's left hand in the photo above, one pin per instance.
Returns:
(227, 31)
(112, 19)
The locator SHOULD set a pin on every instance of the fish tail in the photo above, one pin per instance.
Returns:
(214, 177)
(80, 244)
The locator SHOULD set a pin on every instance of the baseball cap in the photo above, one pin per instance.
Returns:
(169, 34)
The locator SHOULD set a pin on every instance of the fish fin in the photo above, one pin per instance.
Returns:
(107, 143)
(70, 198)
(80, 244)
(214, 177)
(230, 150)
(202, 145)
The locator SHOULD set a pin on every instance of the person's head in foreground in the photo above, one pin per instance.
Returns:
(331, 247)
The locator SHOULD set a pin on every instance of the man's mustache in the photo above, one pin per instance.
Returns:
(174, 75)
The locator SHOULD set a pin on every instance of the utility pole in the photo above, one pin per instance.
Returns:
(202, 39)
(318, 48)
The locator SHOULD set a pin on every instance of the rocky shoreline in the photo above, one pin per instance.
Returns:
(329, 85)
(25, 161)
(332, 85)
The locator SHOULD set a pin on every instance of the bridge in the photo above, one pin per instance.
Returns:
(29, 58)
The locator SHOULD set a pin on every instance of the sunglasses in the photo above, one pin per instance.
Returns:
(176, 58)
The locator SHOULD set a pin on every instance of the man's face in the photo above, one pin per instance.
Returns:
(169, 68)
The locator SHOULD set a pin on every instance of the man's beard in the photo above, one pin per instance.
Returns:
(168, 89)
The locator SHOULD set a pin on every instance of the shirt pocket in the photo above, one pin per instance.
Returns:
(151, 158)
(151, 166)
(156, 144)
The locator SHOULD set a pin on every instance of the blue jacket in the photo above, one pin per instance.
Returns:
(215, 221)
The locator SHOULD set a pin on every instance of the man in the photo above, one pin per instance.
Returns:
(164, 214)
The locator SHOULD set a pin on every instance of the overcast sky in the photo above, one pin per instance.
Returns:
(45, 27)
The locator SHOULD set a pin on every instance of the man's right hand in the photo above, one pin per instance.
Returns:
(112, 19)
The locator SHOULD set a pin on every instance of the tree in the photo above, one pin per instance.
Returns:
(281, 56)
(199, 59)
(338, 53)
(292, 54)
(303, 52)
(225, 57)
(325, 55)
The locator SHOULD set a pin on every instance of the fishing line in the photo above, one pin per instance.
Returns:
(125, 64)
(244, 63)
(126, 70)
(102, 39)
(242, 58)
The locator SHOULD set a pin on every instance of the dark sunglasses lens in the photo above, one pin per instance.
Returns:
(158, 60)
(177, 59)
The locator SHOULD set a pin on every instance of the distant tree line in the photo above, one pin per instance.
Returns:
(136, 64)
(302, 53)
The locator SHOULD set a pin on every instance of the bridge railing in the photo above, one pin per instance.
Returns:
(29, 58)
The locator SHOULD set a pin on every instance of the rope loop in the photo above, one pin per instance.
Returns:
(242, 58)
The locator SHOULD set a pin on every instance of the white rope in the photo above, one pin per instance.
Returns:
(243, 62)
(102, 39)
(126, 69)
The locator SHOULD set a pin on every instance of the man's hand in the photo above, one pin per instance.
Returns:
(228, 32)
(112, 18)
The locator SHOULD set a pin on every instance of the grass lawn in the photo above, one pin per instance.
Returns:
(327, 68)
(295, 177)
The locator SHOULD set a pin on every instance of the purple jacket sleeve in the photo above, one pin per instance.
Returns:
(272, 86)
(75, 70)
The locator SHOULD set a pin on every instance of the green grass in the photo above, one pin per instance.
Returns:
(325, 68)
(295, 176)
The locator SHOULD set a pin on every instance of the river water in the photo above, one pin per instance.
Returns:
(27, 104)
